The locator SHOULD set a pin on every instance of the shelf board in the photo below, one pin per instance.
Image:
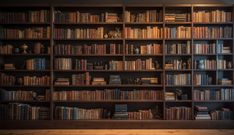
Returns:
(204, 70)
(108, 86)
(212, 23)
(212, 86)
(204, 54)
(178, 85)
(124, 71)
(143, 55)
(213, 101)
(24, 101)
(178, 101)
(208, 39)
(111, 124)
(90, 23)
(177, 39)
(143, 23)
(143, 39)
(178, 55)
(89, 55)
(178, 23)
(225, 69)
(91, 39)
(108, 101)
(178, 70)
(26, 55)
(29, 86)
(24, 70)
(26, 23)
(25, 39)
(225, 54)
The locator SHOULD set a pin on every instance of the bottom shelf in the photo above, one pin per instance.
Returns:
(117, 124)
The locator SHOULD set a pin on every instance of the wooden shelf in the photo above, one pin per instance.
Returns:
(124, 71)
(26, 23)
(89, 55)
(178, 101)
(25, 55)
(143, 23)
(19, 86)
(24, 70)
(212, 23)
(109, 101)
(23, 101)
(90, 23)
(171, 39)
(138, 104)
(108, 86)
(91, 39)
(111, 124)
(178, 23)
(25, 39)
(208, 39)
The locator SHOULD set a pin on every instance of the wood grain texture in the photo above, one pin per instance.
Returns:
(116, 132)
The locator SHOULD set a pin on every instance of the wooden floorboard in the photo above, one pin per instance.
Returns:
(117, 132)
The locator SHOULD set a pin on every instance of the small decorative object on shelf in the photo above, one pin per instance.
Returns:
(24, 48)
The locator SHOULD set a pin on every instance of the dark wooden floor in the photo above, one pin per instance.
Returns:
(117, 132)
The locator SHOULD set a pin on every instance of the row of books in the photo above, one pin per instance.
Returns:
(204, 48)
(75, 113)
(138, 64)
(211, 94)
(224, 81)
(212, 32)
(107, 94)
(84, 17)
(212, 16)
(178, 79)
(141, 115)
(18, 111)
(178, 48)
(6, 79)
(221, 48)
(143, 49)
(203, 113)
(177, 32)
(86, 79)
(81, 79)
(178, 64)
(36, 64)
(10, 80)
(179, 113)
(143, 33)
(78, 33)
(76, 79)
(224, 64)
(33, 16)
(222, 114)
(202, 79)
(205, 64)
(63, 63)
(97, 49)
(37, 48)
(145, 16)
(23, 95)
(42, 16)
(34, 80)
(177, 17)
(26, 33)
(83, 64)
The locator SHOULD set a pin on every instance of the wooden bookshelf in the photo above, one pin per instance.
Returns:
(140, 17)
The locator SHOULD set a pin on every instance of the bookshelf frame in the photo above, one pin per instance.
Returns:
(120, 124)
